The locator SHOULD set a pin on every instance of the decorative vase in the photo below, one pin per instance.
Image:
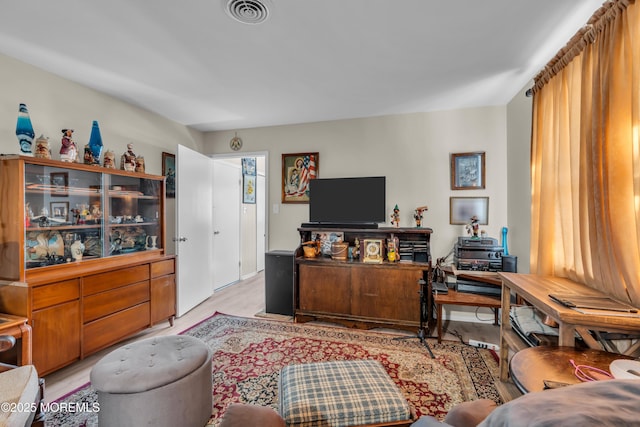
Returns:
(24, 131)
(504, 241)
(95, 143)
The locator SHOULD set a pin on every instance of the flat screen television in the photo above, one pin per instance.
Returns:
(348, 201)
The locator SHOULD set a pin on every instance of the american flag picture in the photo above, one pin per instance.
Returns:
(297, 170)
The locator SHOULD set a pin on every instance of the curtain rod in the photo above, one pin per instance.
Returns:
(583, 37)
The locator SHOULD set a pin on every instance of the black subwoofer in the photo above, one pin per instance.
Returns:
(278, 276)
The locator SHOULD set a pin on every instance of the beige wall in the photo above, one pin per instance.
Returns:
(518, 177)
(55, 103)
(411, 150)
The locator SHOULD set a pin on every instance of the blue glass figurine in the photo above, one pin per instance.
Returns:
(95, 143)
(24, 131)
(504, 241)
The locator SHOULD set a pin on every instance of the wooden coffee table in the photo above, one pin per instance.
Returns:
(530, 367)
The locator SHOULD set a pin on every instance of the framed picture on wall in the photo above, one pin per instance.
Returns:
(248, 189)
(461, 209)
(467, 171)
(169, 171)
(297, 170)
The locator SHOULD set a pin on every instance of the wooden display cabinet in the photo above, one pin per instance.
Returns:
(82, 250)
(364, 294)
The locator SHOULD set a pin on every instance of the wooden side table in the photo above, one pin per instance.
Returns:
(530, 367)
(462, 298)
(17, 327)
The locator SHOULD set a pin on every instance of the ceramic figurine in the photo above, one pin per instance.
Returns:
(395, 217)
(68, 151)
(474, 227)
(24, 131)
(128, 159)
(417, 215)
(139, 164)
(77, 250)
(109, 159)
(95, 143)
(88, 157)
(42, 148)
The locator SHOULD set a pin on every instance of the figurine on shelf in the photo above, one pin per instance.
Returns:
(68, 151)
(24, 131)
(109, 159)
(417, 215)
(391, 250)
(128, 159)
(356, 249)
(42, 148)
(95, 143)
(395, 217)
(473, 228)
(77, 250)
(139, 164)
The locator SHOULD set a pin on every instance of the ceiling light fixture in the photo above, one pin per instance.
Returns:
(247, 11)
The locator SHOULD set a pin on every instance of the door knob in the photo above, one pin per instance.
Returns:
(179, 239)
(216, 232)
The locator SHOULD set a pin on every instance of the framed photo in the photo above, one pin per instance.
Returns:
(59, 210)
(372, 251)
(169, 171)
(249, 166)
(59, 183)
(461, 209)
(249, 189)
(297, 170)
(326, 239)
(467, 171)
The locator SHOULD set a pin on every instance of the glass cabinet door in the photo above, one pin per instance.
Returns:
(63, 215)
(134, 222)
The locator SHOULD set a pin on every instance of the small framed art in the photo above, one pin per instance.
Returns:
(462, 209)
(60, 210)
(297, 170)
(468, 171)
(169, 171)
(59, 184)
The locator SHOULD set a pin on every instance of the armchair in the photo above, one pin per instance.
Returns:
(21, 392)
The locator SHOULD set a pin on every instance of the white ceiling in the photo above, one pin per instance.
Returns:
(312, 60)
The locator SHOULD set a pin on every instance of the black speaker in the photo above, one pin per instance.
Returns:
(278, 282)
(510, 263)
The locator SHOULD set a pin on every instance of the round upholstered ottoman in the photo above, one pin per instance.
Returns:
(161, 381)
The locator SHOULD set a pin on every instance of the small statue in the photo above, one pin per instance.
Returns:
(77, 250)
(395, 217)
(109, 159)
(391, 250)
(128, 159)
(42, 148)
(473, 228)
(68, 151)
(356, 249)
(139, 164)
(417, 215)
(88, 156)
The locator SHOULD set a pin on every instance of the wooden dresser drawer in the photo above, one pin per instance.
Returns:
(108, 330)
(162, 268)
(55, 293)
(108, 302)
(114, 279)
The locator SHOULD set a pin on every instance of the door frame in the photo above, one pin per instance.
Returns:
(264, 154)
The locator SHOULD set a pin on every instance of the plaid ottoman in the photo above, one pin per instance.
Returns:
(341, 394)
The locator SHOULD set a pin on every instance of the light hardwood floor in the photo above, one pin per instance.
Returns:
(245, 298)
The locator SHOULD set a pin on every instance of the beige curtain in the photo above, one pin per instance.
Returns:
(585, 159)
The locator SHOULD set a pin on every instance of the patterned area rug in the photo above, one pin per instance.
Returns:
(249, 353)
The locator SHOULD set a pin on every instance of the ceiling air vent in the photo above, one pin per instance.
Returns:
(247, 11)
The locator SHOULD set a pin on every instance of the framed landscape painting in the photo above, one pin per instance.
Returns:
(297, 170)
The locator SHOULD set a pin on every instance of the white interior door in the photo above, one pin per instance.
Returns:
(194, 245)
(261, 229)
(227, 180)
